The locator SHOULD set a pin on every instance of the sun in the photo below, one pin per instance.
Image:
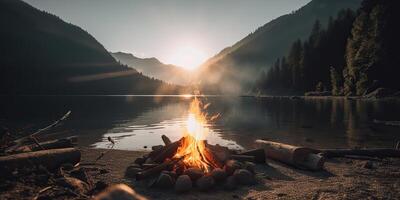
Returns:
(187, 56)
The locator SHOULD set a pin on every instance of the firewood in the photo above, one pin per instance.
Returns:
(371, 152)
(167, 151)
(299, 157)
(166, 140)
(51, 159)
(259, 155)
(156, 170)
(243, 158)
(53, 144)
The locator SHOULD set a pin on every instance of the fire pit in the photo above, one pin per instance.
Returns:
(192, 162)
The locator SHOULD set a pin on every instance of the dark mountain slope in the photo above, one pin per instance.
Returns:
(152, 67)
(236, 67)
(42, 54)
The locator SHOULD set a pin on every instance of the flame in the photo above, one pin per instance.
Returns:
(193, 146)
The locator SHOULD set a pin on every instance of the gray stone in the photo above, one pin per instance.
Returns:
(164, 181)
(231, 166)
(244, 177)
(205, 183)
(250, 167)
(194, 173)
(219, 174)
(230, 183)
(183, 184)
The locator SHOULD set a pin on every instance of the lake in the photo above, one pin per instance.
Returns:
(137, 122)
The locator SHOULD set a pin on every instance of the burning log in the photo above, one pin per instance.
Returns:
(167, 151)
(166, 140)
(259, 155)
(51, 159)
(372, 152)
(53, 144)
(299, 157)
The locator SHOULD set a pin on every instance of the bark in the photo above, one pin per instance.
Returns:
(300, 157)
(51, 159)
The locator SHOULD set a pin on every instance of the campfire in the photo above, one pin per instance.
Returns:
(192, 162)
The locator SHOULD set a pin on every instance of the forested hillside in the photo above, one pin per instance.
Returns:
(42, 54)
(353, 56)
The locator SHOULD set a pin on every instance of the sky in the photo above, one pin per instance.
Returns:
(180, 32)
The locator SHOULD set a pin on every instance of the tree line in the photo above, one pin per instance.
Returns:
(354, 53)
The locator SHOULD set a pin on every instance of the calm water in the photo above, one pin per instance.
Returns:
(136, 122)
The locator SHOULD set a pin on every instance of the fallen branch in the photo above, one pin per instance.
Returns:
(51, 159)
(53, 144)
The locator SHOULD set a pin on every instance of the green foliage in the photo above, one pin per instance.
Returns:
(309, 63)
(371, 46)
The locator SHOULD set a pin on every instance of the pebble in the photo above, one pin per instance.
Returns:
(244, 177)
(231, 166)
(230, 183)
(219, 174)
(164, 181)
(205, 183)
(368, 165)
(183, 184)
(194, 173)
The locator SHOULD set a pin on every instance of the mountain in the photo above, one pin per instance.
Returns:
(152, 67)
(235, 68)
(42, 54)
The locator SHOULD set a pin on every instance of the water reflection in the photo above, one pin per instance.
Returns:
(138, 121)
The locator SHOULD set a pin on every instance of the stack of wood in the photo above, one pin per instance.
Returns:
(163, 170)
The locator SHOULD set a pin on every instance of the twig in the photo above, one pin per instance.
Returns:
(105, 152)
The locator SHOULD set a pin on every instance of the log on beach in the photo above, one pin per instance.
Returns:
(371, 152)
(300, 157)
(51, 159)
(53, 144)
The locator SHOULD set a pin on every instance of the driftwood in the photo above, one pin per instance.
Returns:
(243, 158)
(372, 152)
(300, 157)
(51, 159)
(53, 144)
(259, 155)
(166, 140)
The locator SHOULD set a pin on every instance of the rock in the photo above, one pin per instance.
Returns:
(131, 171)
(368, 165)
(231, 166)
(244, 177)
(171, 173)
(230, 183)
(205, 183)
(140, 161)
(183, 184)
(219, 174)
(194, 173)
(250, 167)
(74, 184)
(164, 181)
(119, 192)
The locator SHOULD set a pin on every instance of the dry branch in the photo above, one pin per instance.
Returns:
(50, 159)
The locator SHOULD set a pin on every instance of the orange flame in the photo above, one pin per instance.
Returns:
(193, 146)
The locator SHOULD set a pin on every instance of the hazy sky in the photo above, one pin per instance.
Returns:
(182, 32)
